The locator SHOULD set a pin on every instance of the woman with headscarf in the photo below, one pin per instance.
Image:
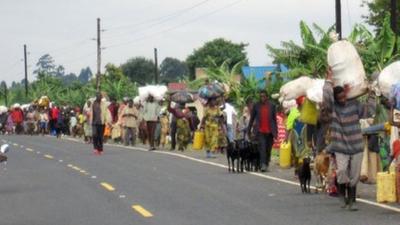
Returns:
(211, 126)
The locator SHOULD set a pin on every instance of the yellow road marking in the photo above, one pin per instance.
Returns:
(142, 211)
(15, 144)
(70, 165)
(76, 168)
(49, 156)
(29, 149)
(107, 186)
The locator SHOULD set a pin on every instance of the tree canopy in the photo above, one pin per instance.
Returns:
(218, 51)
(172, 70)
(139, 70)
(377, 10)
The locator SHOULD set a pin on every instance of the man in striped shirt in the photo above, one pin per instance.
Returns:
(346, 140)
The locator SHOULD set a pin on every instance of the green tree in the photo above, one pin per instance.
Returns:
(377, 10)
(218, 51)
(306, 59)
(172, 70)
(85, 75)
(45, 64)
(139, 70)
(116, 84)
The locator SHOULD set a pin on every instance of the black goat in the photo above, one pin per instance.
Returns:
(232, 154)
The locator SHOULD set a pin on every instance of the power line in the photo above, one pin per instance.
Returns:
(174, 14)
(177, 26)
(170, 17)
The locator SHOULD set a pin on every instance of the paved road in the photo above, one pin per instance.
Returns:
(60, 182)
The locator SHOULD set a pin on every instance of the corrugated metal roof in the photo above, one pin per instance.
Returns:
(261, 72)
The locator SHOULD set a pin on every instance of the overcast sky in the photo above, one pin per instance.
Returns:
(64, 28)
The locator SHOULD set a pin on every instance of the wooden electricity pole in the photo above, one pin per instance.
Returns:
(338, 19)
(26, 72)
(98, 56)
(155, 66)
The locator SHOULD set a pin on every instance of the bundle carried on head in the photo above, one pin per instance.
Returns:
(212, 90)
(347, 68)
(157, 91)
(3, 109)
(182, 97)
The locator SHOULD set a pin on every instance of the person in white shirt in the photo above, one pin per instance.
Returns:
(231, 114)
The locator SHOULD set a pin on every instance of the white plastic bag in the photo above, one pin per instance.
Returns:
(295, 88)
(347, 68)
(315, 93)
(389, 76)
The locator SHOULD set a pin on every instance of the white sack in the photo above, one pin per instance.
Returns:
(287, 105)
(295, 88)
(389, 76)
(136, 100)
(157, 91)
(347, 67)
(315, 93)
(3, 109)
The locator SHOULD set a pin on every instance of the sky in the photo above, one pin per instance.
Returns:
(66, 29)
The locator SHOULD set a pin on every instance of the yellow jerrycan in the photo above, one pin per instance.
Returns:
(386, 187)
(198, 140)
(285, 152)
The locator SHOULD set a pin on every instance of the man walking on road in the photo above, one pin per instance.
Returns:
(100, 116)
(346, 137)
(265, 127)
(151, 110)
(130, 115)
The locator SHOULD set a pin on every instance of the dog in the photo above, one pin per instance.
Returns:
(304, 174)
(232, 154)
(321, 169)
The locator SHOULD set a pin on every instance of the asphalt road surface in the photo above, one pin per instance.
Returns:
(48, 181)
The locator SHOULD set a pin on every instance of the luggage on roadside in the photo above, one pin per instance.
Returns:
(386, 187)
(285, 153)
(198, 140)
(347, 68)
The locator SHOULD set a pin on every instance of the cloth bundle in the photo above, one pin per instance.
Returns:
(157, 91)
(213, 90)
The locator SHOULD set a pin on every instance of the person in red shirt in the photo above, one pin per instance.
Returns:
(54, 112)
(264, 116)
(18, 118)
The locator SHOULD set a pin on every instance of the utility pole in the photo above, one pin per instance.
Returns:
(155, 66)
(338, 19)
(98, 56)
(393, 21)
(5, 95)
(26, 73)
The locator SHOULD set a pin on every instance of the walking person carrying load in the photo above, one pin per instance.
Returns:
(346, 137)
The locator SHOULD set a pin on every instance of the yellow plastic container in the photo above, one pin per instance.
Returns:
(285, 155)
(198, 140)
(309, 113)
(386, 187)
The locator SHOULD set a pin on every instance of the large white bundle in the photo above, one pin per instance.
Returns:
(295, 88)
(347, 67)
(3, 109)
(136, 100)
(315, 93)
(16, 105)
(25, 106)
(389, 76)
(289, 104)
(157, 91)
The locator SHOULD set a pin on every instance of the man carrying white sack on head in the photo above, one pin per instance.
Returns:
(346, 137)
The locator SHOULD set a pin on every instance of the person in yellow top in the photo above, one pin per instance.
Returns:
(164, 122)
(211, 123)
(130, 122)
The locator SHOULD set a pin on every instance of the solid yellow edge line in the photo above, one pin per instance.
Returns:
(29, 149)
(142, 211)
(49, 156)
(107, 186)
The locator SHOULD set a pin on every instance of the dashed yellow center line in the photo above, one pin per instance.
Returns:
(142, 211)
(107, 186)
(29, 149)
(48, 156)
(15, 144)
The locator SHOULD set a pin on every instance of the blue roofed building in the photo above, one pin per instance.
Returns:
(261, 73)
